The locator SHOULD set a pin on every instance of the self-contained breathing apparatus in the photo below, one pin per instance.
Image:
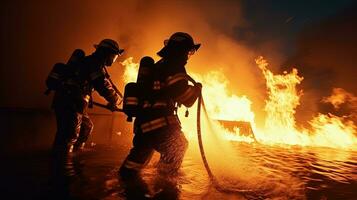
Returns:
(60, 71)
(141, 94)
(134, 91)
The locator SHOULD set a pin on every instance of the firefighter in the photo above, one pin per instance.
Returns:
(73, 84)
(156, 126)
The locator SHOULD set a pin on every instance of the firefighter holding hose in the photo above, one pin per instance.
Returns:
(73, 84)
(156, 126)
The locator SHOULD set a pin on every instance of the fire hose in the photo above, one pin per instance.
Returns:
(200, 143)
(213, 179)
(200, 103)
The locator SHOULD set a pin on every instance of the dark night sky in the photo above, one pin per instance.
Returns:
(283, 20)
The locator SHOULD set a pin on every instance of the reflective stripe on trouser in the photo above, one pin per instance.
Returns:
(170, 142)
(85, 131)
(135, 166)
(159, 123)
(138, 157)
(71, 126)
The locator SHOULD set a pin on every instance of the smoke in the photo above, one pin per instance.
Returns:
(40, 33)
(325, 57)
(37, 34)
(342, 103)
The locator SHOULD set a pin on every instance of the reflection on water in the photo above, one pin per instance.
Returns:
(265, 172)
(296, 172)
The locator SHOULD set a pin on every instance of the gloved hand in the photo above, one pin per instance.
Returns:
(113, 106)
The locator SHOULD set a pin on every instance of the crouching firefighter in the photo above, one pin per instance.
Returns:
(73, 84)
(160, 89)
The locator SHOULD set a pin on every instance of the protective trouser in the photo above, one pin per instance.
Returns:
(73, 129)
(169, 141)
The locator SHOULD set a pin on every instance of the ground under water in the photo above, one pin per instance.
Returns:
(268, 172)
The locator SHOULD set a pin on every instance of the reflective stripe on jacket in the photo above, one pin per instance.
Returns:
(186, 94)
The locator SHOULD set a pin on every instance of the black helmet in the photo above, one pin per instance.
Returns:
(180, 40)
(111, 45)
(184, 39)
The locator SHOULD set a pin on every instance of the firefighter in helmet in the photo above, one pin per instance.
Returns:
(156, 126)
(73, 85)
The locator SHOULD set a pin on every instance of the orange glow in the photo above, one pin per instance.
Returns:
(280, 124)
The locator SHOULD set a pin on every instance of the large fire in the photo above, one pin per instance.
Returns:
(280, 125)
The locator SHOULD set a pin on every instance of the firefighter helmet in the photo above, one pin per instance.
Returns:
(182, 39)
(111, 45)
(179, 40)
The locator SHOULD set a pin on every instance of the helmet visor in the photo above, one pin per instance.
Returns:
(191, 52)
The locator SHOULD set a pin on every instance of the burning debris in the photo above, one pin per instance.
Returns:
(239, 127)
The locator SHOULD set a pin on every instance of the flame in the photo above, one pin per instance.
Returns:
(221, 105)
(333, 131)
(131, 70)
(280, 124)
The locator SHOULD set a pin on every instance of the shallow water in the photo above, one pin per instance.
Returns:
(261, 172)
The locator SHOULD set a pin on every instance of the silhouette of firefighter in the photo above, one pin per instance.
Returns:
(73, 84)
(153, 100)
